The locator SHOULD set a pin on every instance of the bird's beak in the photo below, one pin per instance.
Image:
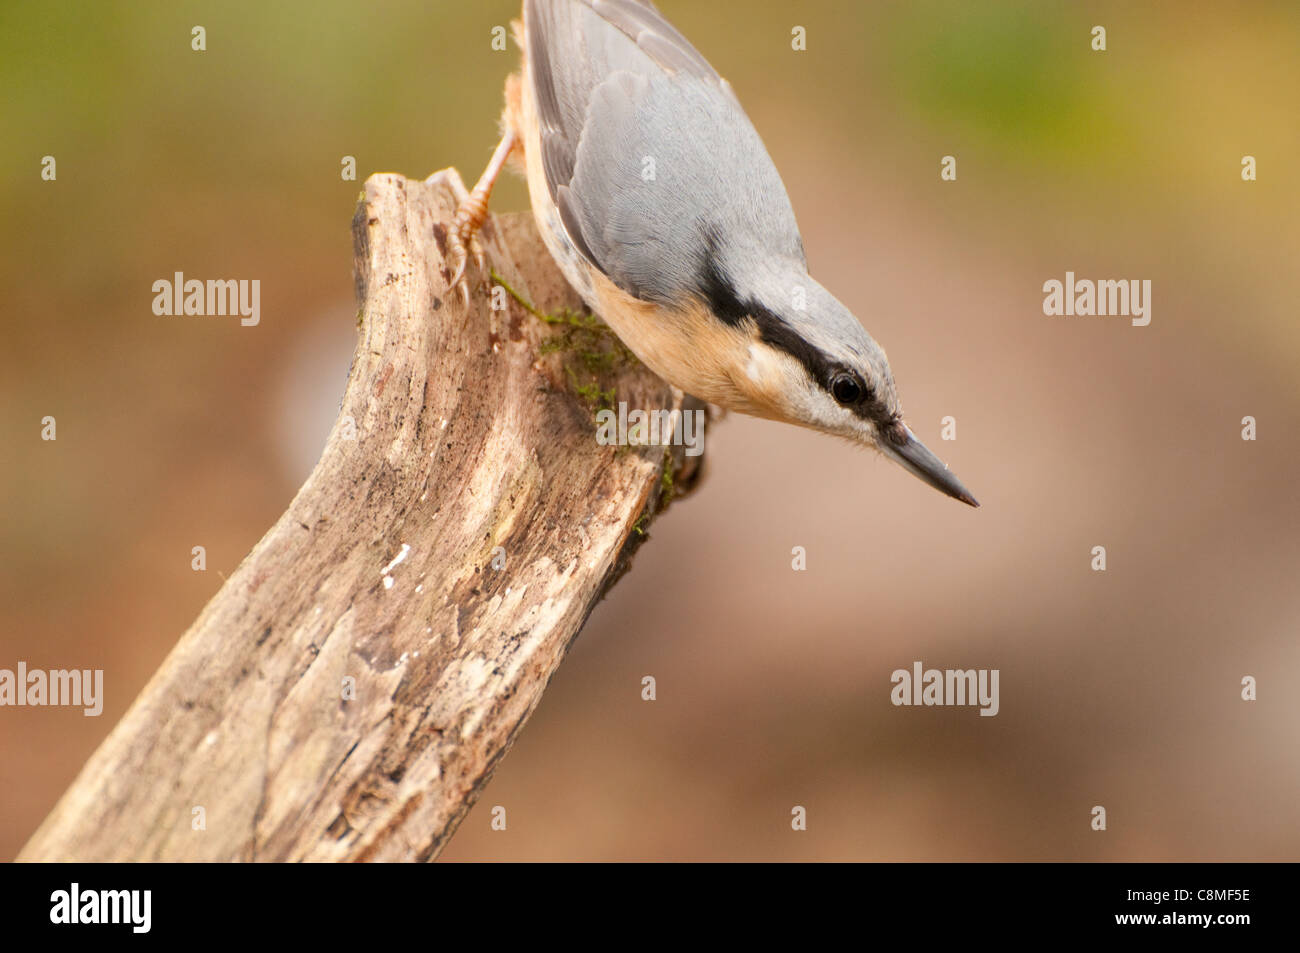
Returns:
(917, 459)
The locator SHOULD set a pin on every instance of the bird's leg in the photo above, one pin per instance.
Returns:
(472, 213)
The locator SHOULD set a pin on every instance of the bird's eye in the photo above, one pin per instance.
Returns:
(846, 389)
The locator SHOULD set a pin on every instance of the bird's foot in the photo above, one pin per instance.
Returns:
(462, 241)
(472, 213)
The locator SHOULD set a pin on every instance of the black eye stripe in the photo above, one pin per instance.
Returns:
(721, 297)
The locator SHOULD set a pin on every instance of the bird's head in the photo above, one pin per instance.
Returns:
(806, 360)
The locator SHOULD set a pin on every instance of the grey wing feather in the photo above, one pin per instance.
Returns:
(645, 26)
(657, 173)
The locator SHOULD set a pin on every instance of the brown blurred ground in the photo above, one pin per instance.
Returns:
(1118, 688)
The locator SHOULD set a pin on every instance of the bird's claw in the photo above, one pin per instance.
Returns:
(463, 240)
(462, 245)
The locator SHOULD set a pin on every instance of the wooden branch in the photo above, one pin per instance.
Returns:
(464, 436)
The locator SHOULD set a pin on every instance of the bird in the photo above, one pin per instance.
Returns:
(658, 200)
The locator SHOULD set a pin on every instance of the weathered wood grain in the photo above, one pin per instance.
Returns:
(472, 437)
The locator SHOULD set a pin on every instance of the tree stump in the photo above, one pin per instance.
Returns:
(348, 692)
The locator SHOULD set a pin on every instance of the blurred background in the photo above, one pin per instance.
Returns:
(1118, 688)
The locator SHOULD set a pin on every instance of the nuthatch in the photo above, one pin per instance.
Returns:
(660, 204)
